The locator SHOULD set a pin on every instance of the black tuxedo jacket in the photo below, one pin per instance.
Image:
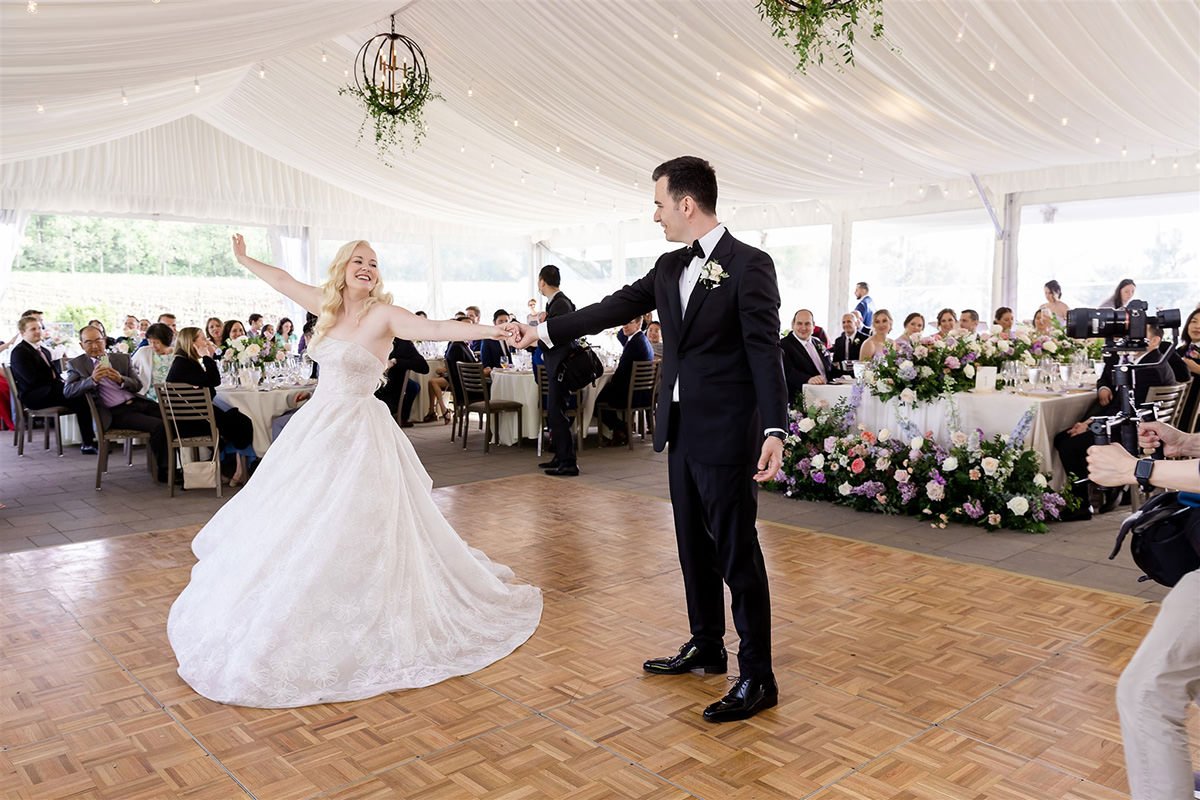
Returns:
(406, 357)
(456, 352)
(847, 348)
(724, 352)
(37, 381)
(798, 367)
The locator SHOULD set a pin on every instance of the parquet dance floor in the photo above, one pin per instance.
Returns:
(901, 676)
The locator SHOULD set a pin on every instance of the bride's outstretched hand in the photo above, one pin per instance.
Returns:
(239, 247)
(503, 332)
(526, 335)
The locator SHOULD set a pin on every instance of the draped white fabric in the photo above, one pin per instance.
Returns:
(12, 228)
(554, 113)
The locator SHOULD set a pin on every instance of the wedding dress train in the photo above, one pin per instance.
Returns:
(332, 575)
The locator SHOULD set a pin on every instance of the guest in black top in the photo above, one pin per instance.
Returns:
(194, 365)
(846, 348)
(37, 375)
(400, 398)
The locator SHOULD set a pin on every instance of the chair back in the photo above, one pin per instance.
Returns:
(97, 424)
(470, 374)
(18, 406)
(643, 379)
(543, 385)
(182, 402)
(1168, 402)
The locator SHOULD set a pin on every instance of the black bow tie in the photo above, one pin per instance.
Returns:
(695, 251)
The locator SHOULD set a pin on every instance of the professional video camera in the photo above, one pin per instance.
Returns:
(1124, 332)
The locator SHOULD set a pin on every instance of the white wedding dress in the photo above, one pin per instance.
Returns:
(332, 575)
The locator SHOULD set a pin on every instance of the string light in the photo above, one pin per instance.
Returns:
(516, 123)
(462, 148)
(1031, 97)
(1175, 164)
(718, 74)
(324, 57)
(470, 91)
(829, 156)
(1096, 140)
(1065, 121)
(124, 99)
(1124, 151)
(892, 183)
(962, 29)
(675, 34)
(759, 104)
(557, 148)
(1153, 159)
(597, 169)
(41, 109)
(262, 72)
(860, 169)
(345, 73)
(556, 189)
(992, 64)
(522, 178)
(196, 85)
(493, 164)
(31, 6)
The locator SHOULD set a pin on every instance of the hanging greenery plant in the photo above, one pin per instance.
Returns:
(391, 80)
(813, 26)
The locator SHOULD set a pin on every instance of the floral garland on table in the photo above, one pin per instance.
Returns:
(992, 483)
(252, 351)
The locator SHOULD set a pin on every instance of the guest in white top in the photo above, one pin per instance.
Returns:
(151, 363)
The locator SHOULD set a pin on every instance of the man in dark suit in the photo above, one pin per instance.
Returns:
(557, 304)
(1073, 443)
(400, 398)
(494, 354)
(805, 359)
(847, 346)
(616, 392)
(455, 353)
(723, 409)
(38, 381)
(115, 389)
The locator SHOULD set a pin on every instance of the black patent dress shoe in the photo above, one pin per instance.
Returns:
(551, 464)
(88, 449)
(564, 471)
(747, 697)
(688, 658)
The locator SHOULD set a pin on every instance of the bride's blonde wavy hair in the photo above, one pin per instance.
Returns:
(331, 290)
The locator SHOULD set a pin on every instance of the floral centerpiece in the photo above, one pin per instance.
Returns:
(993, 483)
(127, 346)
(252, 351)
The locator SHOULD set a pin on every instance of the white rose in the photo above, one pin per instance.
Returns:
(818, 461)
(990, 465)
(901, 476)
(906, 364)
(1039, 481)
(950, 464)
(882, 463)
(844, 489)
(1018, 505)
(917, 443)
(925, 372)
(805, 425)
(869, 377)
(1050, 346)
(920, 351)
(884, 435)
(958, 438)
(908, 396)
(969, 370)
(253, 350)
(935, 490)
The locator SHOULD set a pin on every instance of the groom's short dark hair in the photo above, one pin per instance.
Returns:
(689, 175)
(551, 275)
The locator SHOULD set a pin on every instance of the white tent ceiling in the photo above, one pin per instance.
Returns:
(555, 112)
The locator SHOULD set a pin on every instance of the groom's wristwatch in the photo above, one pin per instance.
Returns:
(780, 435)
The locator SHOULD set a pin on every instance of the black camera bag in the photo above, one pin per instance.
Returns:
(1165, 541)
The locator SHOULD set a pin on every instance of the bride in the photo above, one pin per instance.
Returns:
(332, 575)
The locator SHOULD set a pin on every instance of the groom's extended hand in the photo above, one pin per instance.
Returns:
(527, 334)
(770, 460)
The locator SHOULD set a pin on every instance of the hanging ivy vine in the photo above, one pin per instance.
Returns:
(813, 27)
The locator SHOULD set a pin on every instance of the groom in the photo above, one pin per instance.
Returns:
(722, 370)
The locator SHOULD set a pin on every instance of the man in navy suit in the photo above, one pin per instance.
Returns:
(495, 354)
(616, 392)
(38, 380)
(805, 359)
(723, 410)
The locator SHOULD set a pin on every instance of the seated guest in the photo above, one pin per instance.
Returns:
(914, 324)
(294, 401)
(268, 332)
(947, 321)
(98, 325)
(1189, 354)
(819, 334)
(1003, 320)
(877, 342)
(212, 332)
(1072, 444)
(168, 320)
(38, 382)
(286, 337)
(109, 379)
(654, 336)
(455, 353)
(143, 326)
(6, 420)
(848, 346)
(400, 398)
(492, 353)
(805, 359)
(306, 333)
(151, 363)
(233, 329)
(475, 315)
(194, 364)
(256, 324)
(130, 329)
(968, 320)
(1043, 322)
(616, 391)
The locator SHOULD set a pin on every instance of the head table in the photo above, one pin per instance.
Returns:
(991, 412)
(522, 386)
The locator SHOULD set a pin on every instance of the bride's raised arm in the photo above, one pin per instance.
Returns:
(309, 297)
(404, 324)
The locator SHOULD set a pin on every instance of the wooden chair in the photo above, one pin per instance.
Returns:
(544, 404)
(181, 403)
(644, 382)
(25, 416)
(1168, 408)
(105, 436)
(470, 373)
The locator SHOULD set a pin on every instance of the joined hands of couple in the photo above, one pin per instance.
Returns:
(521, 335)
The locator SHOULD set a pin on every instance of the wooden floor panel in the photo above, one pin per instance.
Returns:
(901, 676)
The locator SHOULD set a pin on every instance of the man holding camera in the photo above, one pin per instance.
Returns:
(1163, 676)
(1073, 443)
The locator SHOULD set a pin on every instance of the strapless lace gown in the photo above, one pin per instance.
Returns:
(332, 575)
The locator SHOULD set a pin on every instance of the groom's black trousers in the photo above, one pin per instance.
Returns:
(715, 508)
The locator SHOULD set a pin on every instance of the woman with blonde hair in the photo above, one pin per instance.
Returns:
(877, 342)
(195, 364)
(342, 580)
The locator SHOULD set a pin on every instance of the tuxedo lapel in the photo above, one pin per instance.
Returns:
(699, 291)
(674, 303)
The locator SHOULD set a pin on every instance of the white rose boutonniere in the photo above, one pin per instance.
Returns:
(712, 274)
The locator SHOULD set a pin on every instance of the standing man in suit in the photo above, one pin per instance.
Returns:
(557, 305)
(400, 398)
(865, 306)
(114, 388)
(723, 410)
(39, 384)
(805, 359)
(847, 347)
(495, 354)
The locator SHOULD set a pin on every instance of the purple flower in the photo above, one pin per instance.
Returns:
(830, 444)
(868, 489)
(973, 509)
(952, 362)
(907, 492)
(818, 477)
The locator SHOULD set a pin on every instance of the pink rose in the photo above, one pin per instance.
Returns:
(858, 465)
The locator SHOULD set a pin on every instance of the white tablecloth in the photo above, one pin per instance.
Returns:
(993, 413)
(520, 385)
(261, 408)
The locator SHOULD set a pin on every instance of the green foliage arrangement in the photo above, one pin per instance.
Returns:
(811, 27)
